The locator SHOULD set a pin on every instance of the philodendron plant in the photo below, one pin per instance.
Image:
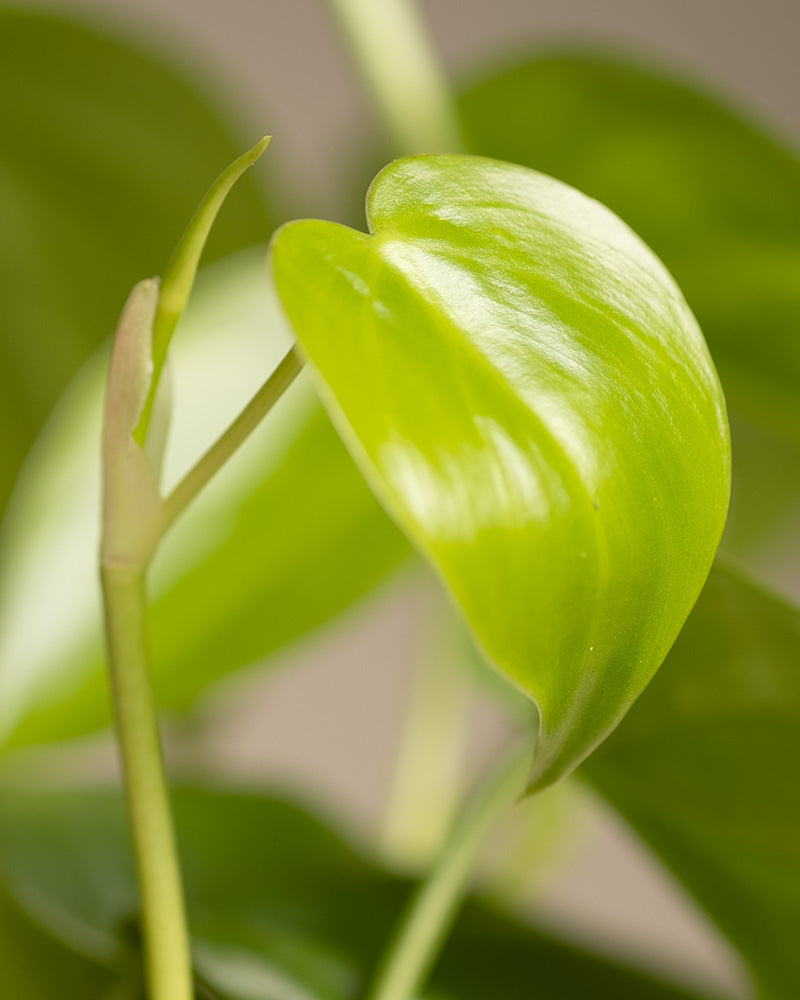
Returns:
(498, 363)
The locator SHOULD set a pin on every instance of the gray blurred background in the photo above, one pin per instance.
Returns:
(329, 724)
(281, 67)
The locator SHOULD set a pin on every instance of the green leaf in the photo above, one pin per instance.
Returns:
(105, 152)
(524, 387)
(716, 198)
(305, 919)
(491, 956)
(34, 966)
(705, 768)
(249, 568)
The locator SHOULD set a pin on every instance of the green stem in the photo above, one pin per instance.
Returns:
(433, 909)
(133, 511)
(238, 432)
(166, 940)
(426, 785)
(391, 49)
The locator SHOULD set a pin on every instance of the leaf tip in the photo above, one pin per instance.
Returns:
(258, 149)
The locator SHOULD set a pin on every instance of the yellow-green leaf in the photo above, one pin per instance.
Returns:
(527, 392)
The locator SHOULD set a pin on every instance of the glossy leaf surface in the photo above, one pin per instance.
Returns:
(307, 918)
(218, 602)
(103, 156)
(715, 197)
(705, 768)
(526, 390)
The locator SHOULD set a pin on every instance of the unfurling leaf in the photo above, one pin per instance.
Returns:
(527, 392)
(132, 509)
(131, 499)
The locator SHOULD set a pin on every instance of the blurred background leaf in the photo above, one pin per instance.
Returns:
(280, 907)
(704, 767)
(288, 534)
(35, 966)
(105, 152)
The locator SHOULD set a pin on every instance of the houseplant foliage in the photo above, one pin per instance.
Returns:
(533, 310)
(460, 363)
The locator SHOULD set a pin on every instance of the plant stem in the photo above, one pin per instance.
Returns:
(433, 908)
(391, 48)
(238, 432)
(166, 940)
(134, 519)
(427, 782)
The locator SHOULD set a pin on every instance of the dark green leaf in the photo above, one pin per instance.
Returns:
(526, 390)
(103, 156)
(279, 906)
(705, 768)
(34, 966)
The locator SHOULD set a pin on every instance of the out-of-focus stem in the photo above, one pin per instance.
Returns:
(427, 783)
(394, 56)
(425, 925)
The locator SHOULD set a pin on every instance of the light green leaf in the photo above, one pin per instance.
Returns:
(714, 196)
(705, 768)
(305, 920)
(524, 387)
(250, 567)
(104, 153)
